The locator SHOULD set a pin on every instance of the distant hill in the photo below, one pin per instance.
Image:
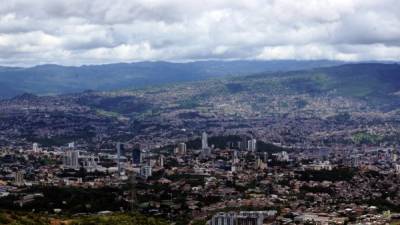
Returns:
(376, 83)
(56, 79)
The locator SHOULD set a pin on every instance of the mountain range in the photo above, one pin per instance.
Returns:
(56, 79)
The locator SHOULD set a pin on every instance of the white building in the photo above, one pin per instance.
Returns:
(282, 156)
(204, 141)
(35, 147)
(252, 145)
(71, 145)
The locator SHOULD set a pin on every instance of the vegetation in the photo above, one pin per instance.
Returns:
(27, 218)
(337, 174)
(119, 218)
(366, 138)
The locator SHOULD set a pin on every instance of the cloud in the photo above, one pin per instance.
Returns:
(102, 31)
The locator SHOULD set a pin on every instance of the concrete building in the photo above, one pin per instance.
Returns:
(19, 178)
(35, 147)
(145, 171)
(252, 145)
(181, 149)
(204, 141)
(242, 218)
(71, 159)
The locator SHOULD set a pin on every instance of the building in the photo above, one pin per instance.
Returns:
(71, 145)
(145, 171)
(90, 163)
(204, 141)
(136, 156)
(181, 149)
(19, 178)
(120, 152)
(35, 147)
(282, 156)
(252, 145)
(223, 218)
(235, 159)
(161, 160)
(259, 164)
(397, 168)
(242, 218)
(71, 159)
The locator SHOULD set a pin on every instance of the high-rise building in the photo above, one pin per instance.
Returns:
(19, 178)
(161, 160)
(204, 141)
(71, 159)
(243, 143)
(120, 152)
(252, 145)
(265, 157)
(136, 156)
(235, 158)
(35, 147)
(181, 150)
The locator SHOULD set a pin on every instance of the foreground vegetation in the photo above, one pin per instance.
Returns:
(23, 218)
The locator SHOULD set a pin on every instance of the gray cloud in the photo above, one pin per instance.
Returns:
(104, 31)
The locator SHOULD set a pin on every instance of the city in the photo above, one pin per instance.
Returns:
(200, 112)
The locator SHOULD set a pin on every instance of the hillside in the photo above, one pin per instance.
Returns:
(299, 106)
(56, 79)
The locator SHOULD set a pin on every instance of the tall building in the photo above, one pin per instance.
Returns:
(235, 159)
(181, 150)
(35, 147)
(71, 159)
(136, 156)
(161, 161)
(204, 141)
(265, 154)
(252, 145)
(19, 178)
(120, 152)
(243, 143)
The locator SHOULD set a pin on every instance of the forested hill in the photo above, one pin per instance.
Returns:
(56, 79)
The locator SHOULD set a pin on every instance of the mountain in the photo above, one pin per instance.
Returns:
(333, 104)
(56, 79)
(353, 87)
(377, 84)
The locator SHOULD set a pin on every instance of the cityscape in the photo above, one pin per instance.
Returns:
(211, 112)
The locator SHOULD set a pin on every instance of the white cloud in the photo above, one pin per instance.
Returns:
(102, 31)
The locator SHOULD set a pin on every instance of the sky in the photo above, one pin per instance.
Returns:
(76, 32)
